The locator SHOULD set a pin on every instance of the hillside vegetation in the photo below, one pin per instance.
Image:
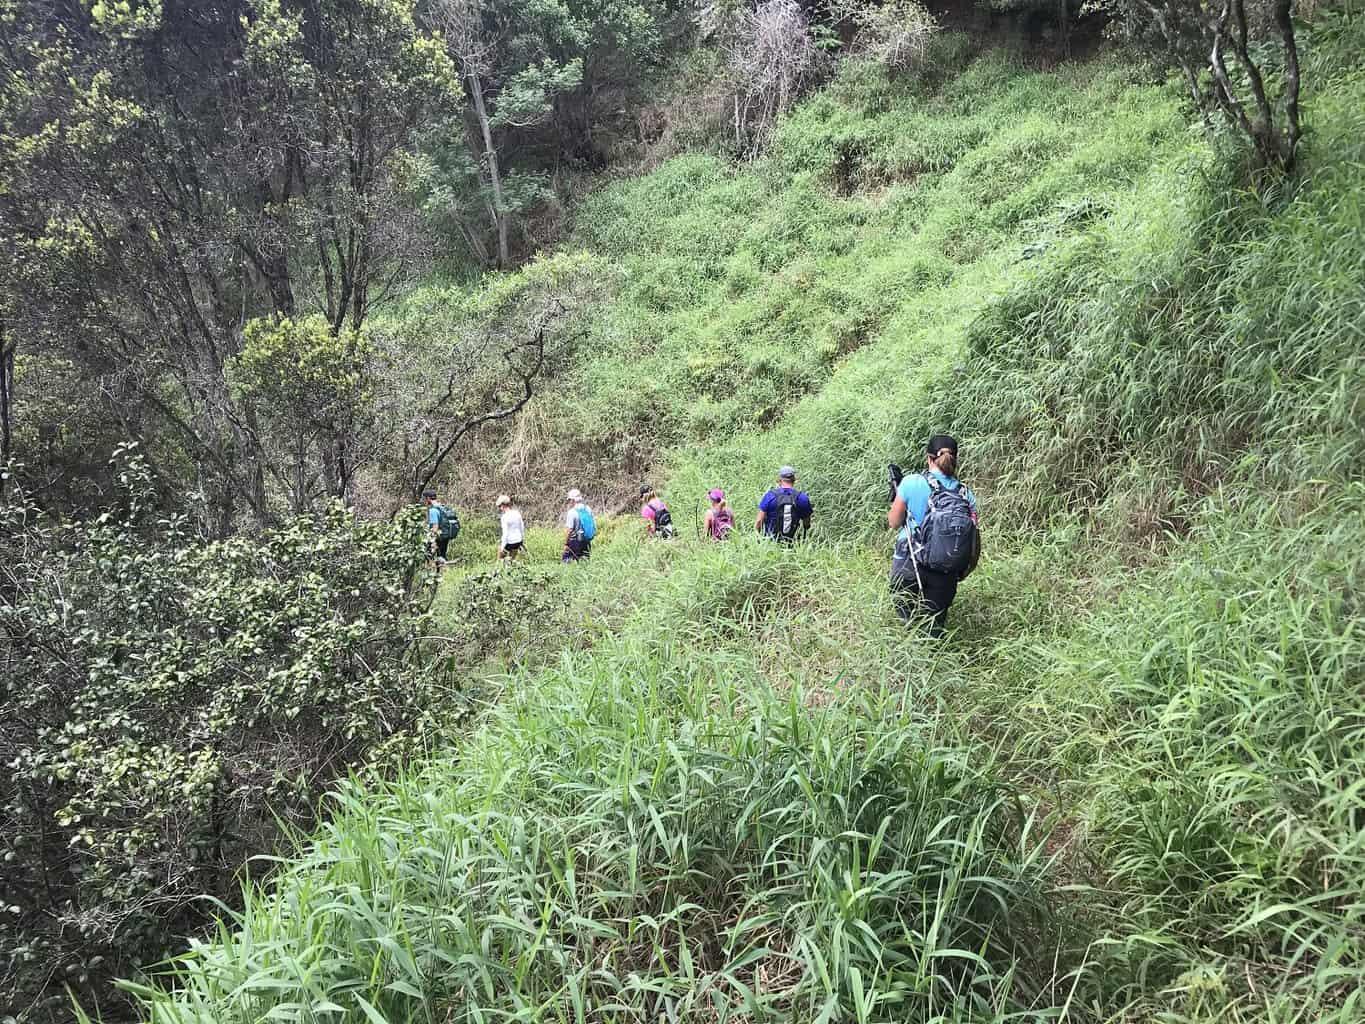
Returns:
(720, 782)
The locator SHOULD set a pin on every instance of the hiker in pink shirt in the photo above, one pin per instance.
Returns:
(719, 519)
(658, 520)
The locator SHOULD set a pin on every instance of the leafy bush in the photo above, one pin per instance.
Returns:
(507, 612)
(170, 705)
(896, 33)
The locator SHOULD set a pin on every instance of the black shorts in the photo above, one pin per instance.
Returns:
(511, 547)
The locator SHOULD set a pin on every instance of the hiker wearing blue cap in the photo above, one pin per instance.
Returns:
(784, 513)
(938, 544)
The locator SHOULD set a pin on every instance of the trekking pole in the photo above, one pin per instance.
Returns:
(894, 477)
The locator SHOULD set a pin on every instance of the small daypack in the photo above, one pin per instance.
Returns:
(585, 526)
(663, 520)
(785, 516)
(946, 541)
(721, 524)
(448, 526)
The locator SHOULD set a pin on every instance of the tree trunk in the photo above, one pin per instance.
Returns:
(490, 155)
(300, 498)
(474, 242)
(345, 474)
(250, 440)
(6, 404)
(1289, 140)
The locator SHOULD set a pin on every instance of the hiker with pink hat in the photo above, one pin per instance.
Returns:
(719, 519)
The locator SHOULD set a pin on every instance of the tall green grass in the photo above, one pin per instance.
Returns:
(1230, 817)
(638, 837)
(842, 265)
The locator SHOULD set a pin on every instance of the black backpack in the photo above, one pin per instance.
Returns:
(785, 517)
(947, 540)
(663, 520)
(449, 524)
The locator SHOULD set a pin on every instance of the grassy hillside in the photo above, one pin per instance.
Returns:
(890, 211)
(722, 783)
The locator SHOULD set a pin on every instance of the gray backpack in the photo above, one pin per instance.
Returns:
(946, 541)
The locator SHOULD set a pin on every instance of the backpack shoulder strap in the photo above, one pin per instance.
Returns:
(932, 481)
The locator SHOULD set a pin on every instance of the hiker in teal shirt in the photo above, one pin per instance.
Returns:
(938, 543)
(442, 526)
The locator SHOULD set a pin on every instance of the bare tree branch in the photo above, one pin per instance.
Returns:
(426, 470)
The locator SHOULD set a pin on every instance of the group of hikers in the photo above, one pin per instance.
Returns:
(784, 514)
(938, 542)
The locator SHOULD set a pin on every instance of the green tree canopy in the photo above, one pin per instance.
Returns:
(173, 170)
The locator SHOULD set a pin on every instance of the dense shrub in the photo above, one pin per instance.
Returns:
(505, 613)
(170, 705)
(895, 34)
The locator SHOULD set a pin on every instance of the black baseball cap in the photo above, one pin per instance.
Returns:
(645, 489)
(428, 494)
(941, 441)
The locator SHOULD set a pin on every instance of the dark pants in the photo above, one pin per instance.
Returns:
(930, 595)
(439, 545)
(573, 551)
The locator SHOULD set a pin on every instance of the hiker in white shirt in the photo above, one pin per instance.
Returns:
(513, 530)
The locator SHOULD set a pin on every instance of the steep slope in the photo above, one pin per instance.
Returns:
(723, 784)
(888, 212)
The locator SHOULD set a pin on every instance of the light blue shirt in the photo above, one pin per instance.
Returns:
(914, 491)
(434, 515)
